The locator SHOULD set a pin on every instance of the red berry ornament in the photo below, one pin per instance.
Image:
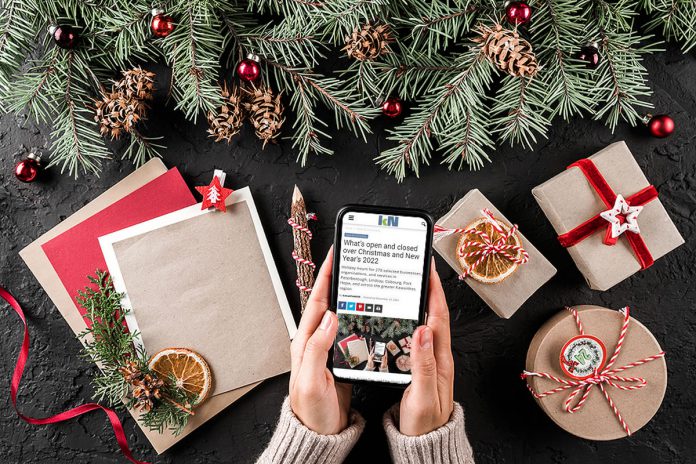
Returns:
(518, 12)
(28, 169)
(64, 36)
(162, 25)
(249, 69)
(660, 125)
(590, 55)
(392, 108)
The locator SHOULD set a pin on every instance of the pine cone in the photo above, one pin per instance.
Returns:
(266, 113)
(227, 122)
(136, 83)
(146, 391)
(117, 113)
(130, 372)
(509, 52)
(369, 42)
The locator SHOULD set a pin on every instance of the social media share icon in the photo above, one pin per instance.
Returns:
(341, 305)
(350, 306)
(378, 308)
(369, 307)
(360, 307)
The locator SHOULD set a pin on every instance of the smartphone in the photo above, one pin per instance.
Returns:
(379, 285)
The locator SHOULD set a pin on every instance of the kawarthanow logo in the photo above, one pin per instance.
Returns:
(391, 221)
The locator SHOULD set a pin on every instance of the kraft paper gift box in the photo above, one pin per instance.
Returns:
(595, 419)
(569, 200)
(507, 296)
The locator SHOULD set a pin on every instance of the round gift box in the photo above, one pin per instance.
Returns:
(596, 420)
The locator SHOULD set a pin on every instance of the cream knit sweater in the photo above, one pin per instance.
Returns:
(292, 442)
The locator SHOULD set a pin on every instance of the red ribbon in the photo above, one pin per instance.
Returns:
(63, 416)
(608, 197)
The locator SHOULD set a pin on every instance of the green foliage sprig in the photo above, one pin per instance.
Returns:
(109, 344)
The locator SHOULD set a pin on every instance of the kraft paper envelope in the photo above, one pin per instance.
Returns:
(40, 266)
(206, 280)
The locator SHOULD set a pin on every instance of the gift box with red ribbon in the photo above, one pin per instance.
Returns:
(596, 372)
(608, 216)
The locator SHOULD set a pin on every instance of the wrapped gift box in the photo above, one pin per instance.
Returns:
(569, 200)
(595, 419)
(507, 296)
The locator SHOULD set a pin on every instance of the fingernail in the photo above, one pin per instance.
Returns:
(426, 338)
(325, 321)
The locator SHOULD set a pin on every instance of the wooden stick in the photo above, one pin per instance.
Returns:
(301, 239)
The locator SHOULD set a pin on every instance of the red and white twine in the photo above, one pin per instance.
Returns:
(486, 247)
(607, 376)
(298, 258)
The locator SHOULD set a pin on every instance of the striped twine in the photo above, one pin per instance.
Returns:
(607, 376)
(486, 247)
(296, 257)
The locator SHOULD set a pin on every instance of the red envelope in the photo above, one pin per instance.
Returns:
(76, 254)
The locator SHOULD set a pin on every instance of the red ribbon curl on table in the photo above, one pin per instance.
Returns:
(608, 197)
(63, 416)
(607, 376)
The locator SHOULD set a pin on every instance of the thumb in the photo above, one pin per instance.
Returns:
(423, 366)
(317, 347)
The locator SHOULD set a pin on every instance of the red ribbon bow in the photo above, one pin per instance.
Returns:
(63, 416)
(606, 376)
(608, 197)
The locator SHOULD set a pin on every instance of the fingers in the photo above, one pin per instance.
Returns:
(438, 314)
(423, 364)
(313, 366)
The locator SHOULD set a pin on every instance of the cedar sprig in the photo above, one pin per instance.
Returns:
(108, 343)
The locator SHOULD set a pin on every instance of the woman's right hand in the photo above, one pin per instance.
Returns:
(428, 402)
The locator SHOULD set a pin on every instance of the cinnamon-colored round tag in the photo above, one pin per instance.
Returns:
(582, 355)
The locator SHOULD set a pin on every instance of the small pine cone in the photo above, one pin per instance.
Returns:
(368, 42)
(130, 372)
(507, 51)
(228, 121)
(116, 114)
(146, 391)
(266, 113)
(137, 83)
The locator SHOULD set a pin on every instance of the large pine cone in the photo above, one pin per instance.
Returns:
(116, 114)
(266, 113)
(509, 52)
(368, 42)
(136, 83)
(227, 122)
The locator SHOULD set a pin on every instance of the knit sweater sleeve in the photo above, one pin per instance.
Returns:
(447, 444)
(292, 442)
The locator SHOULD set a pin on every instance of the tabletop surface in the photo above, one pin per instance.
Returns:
(503, 422)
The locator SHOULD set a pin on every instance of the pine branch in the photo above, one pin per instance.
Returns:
(442, 111)
(141, 148)
(675, 18)
(17, 20)
(336, 19)
(519, 111)
(283, 43)
(555, 31)
(622, 80)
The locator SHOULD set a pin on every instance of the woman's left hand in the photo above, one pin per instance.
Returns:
(320, 403)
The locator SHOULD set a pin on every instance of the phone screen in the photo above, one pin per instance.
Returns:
(378, 295)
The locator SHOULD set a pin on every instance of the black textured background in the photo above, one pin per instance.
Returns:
(503, 422)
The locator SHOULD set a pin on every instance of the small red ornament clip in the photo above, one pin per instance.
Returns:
(214, 195)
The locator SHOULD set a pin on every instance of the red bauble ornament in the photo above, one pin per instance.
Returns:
(518, 12)
(249, 69)
(64, 36)
(590, 55)
(161, 24)
(660, 125)
(392, 108)
(28, 169)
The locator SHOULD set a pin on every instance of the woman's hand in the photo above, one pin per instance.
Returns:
(371, 359)
(428, 402)
(317, 401)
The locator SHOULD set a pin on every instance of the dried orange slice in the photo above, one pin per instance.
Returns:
(188, 368)
(494, 267)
